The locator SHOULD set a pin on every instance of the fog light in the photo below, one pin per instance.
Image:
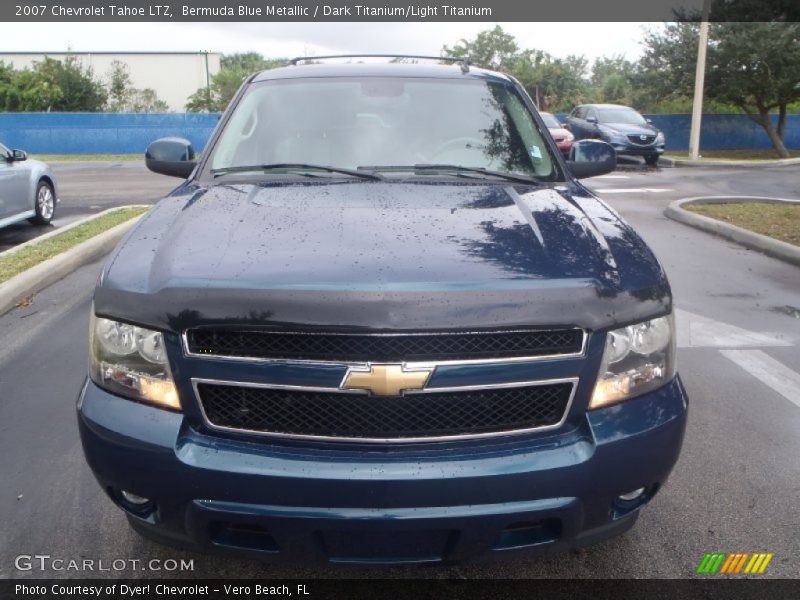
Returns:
(629, 496)
(136, 500)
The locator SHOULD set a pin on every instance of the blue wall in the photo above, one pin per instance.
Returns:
(722, 132)
(109, 133)
(100, 133)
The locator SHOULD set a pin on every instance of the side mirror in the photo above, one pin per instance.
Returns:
(17, 156)
(649, 121)
(592, 120)
(171, 156)
(590, 158)
(565, 124)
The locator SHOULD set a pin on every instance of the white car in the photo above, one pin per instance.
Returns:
(27, 189)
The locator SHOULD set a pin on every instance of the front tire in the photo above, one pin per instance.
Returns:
(45, 205)
(651, 160)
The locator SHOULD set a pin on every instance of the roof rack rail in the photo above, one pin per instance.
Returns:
(465, 62)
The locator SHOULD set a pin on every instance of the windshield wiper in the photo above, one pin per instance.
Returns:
(296, 167)
(421, 168)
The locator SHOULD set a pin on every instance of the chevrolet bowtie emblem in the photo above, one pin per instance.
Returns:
(385, 380)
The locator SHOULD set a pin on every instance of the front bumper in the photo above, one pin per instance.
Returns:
(630, 149)
(337, 503)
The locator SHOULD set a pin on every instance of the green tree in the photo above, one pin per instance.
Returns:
(120, 87)
(124, 97)
(493, 49)
(51, 85)
(234, 69)
(72, 88)
(147, 101)
(753, 66)
(553, 83)
(24, 91)
(612, 80)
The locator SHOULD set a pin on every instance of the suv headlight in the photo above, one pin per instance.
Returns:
(660, 137)
(636, 359)
(131, 361)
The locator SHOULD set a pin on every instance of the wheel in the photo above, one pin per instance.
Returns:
(45, 204)
(651, 159)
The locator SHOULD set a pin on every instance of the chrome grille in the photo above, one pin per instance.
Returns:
(411, 417)
(645, 140)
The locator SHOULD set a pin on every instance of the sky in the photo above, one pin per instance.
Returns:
(304, 39)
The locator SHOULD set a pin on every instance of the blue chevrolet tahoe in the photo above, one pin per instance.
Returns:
(380, 321)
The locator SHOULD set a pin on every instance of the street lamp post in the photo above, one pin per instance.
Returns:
(699, 82)
(208, 81)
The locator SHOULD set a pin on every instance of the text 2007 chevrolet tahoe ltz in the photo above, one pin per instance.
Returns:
(381, 321)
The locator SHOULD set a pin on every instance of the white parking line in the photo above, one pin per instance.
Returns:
(769, 371)
(696, 331)
(612, 177)
(631, 190)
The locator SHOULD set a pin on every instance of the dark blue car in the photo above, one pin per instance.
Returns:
(381, 322)
(625, 129)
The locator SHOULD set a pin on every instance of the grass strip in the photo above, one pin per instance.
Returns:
(778, 221)
(15, 263)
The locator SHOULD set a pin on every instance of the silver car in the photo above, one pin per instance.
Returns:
(27, 189)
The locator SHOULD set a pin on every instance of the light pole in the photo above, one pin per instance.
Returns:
(699, 82)
(208, 82)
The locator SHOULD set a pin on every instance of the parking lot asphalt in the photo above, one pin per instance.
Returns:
(736, 486)
(90, 187)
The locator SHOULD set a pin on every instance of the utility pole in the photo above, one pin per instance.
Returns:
(699, 82)
(208, 82)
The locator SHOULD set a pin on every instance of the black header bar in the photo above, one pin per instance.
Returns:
(395, 10)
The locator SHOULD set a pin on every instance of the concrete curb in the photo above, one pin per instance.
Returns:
(48, 272)
(755, 241)
(59, 230)
(680, 162)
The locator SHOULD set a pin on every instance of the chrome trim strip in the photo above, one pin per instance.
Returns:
(410, 365)
(407, 440)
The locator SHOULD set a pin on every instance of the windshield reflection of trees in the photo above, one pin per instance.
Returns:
(504, 144)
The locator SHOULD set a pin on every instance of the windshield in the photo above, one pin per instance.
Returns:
(628, 116)
(550, 121)
(380, 121)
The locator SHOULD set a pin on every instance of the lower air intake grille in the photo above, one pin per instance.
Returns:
(359, 416)
(390, 347)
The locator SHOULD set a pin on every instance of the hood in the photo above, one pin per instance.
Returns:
(628, 129)
(377, 254)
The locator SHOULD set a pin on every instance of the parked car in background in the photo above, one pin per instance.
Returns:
(27, 189)
(561, 136)
(621, 126)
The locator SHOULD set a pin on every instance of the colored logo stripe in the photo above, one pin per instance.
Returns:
(711, 562)
(734, 563)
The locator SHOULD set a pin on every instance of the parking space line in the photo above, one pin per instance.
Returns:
(632, 190)
(769, 371)
(696, 331)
